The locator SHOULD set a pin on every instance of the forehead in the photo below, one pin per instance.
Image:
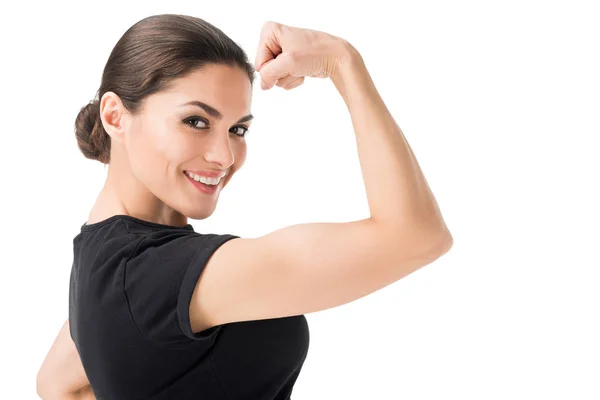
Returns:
(226, 88)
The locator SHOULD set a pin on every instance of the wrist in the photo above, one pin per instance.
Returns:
(348, 58)
(351, 73)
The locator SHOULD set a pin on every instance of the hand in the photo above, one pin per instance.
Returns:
(287, 54)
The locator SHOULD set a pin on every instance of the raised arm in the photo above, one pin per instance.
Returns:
(399, 197)
(310, 267)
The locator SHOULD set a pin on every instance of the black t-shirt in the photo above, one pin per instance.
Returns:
(130, 289)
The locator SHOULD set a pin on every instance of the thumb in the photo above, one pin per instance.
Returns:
(275, 69)
(268, 46)
(263, 55)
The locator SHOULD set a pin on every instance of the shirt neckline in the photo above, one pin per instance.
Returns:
(87, 227)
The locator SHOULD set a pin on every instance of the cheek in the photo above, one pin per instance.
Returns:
(137, 150)
(148, 150)
(240, 155)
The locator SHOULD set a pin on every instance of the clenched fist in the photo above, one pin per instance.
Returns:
(287, 54)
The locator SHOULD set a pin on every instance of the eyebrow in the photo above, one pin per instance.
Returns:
(213, 112)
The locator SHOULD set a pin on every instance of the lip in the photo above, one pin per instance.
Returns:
(204, 188)
(209, 174)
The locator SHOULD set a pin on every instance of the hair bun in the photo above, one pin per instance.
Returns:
(92, 140)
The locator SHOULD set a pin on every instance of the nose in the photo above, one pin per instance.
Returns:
(219, 151)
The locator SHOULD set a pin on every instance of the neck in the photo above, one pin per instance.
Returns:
(124, 194)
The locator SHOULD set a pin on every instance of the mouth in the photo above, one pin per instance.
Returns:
(203, 187)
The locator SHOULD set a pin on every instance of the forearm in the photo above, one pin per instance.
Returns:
(62, 375)
(85, 393)
(398, 194)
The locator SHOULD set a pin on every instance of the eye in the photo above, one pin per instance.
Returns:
(193, 119)
(245, 130)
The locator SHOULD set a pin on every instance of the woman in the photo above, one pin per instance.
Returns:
(159, 311)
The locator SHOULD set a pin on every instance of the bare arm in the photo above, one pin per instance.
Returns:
(310, 267)
(85, 393)
(398, 194)
(61, 376)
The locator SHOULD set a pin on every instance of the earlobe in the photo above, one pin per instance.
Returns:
(111, 114)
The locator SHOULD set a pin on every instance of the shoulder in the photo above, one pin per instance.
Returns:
(159, 280)
(175, 245)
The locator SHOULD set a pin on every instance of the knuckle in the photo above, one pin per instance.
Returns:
(269, 26)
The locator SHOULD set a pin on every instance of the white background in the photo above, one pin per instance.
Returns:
(500, 102)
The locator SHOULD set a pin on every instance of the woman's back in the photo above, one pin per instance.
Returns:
(130, 290)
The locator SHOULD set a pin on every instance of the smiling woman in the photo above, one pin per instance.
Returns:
(159, 311)
(168, 118)
(173, 135)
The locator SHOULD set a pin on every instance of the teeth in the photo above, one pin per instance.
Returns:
(207, 181)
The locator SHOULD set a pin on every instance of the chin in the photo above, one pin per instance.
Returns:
(200, 212)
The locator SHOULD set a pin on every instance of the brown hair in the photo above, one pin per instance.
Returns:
(149, 55)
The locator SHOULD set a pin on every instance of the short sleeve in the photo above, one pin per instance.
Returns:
(159, 281)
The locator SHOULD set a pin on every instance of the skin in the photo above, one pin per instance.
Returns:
(150, 151)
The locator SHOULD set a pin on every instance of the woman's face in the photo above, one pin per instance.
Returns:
(170, 137)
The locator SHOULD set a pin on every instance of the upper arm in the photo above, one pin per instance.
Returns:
(304, 268)
(61, 372)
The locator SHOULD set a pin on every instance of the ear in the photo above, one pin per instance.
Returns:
(113, 115)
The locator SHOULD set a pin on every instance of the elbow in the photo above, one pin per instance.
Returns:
(428, 234)
(438, 240)
(447, 240)
(433, 239)
(438, 243)
(446, 245)
(443, 241)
